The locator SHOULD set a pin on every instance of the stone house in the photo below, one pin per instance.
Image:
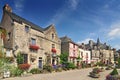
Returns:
(100, 52)
(70, 47)
(37, 45)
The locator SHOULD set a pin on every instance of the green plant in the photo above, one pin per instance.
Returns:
(15, 71)
(118, 65)
(100, 63)
(114, 72)
(64, 58)
(70, 65)
(35, 71)
(19, 58)
(49, 68)
(9, 59)
(59, 70)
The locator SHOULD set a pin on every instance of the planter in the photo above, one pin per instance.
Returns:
(113, 77)
(94, 75)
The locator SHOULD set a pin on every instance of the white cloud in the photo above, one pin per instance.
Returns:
(74, 3)
(114, 31)
(117, 46)
(64, 11)
(19, 5)
(85, 41)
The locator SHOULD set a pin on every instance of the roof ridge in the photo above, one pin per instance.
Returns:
(21, 19)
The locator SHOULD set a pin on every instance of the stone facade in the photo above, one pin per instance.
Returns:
(36, 44)
(100, 52)
(70, 47)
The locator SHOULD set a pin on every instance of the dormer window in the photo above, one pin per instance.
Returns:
(27, 29)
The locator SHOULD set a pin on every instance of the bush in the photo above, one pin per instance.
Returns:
(59, 70)
(15, 71)
(114, 72)
(48, 68)
(35, 71)
(24, 66)
(70, 65)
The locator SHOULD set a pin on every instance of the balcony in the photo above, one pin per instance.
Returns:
(34, 47)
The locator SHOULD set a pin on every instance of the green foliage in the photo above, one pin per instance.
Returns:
(100, 63)
(35, 71)
(114, 72)
(59, 70)
(15, 71)
(78, 58)
(118, 65)
(19, 58)
(64, 58)
(70, 65)
(49, 68)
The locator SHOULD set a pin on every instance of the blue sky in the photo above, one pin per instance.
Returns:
(81, 20)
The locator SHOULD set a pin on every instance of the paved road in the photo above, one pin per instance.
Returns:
(81, 74)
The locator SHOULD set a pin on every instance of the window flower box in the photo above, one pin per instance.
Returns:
(34, 47)
(53, 50)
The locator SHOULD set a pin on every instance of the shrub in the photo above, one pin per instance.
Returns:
(19, 58)
(24, 66)
(59, 70)
(48, 68)
(35, 71)
(70, 65)
(9, 59)
(114, 72)
(15, 71)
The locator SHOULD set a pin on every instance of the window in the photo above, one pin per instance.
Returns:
(73, 45)
(53, 36)
(9, 34)
(82, 54)
(33, 41)
(53, 45)
(26, 29)
(34, 51)
(25, 58)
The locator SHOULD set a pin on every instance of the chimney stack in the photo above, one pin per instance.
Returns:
(7, 8)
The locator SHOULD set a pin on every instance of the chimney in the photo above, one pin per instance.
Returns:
(6, 7)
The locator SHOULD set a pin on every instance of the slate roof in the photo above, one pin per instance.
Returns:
(65, 39)
(20, 20)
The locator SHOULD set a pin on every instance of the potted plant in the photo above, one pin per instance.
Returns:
(95, 73)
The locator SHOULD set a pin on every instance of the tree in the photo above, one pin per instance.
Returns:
(64, 58)
(114, 72)
(118, 65)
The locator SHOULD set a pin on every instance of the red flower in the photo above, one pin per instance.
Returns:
(53, 50)
(24, 66)
(35, 47)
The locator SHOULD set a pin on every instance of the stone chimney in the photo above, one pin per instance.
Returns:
(6, 7)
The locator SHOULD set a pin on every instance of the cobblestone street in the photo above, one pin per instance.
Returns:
(81, 74)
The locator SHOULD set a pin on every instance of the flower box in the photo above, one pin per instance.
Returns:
(34, 47)
(53, 50)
